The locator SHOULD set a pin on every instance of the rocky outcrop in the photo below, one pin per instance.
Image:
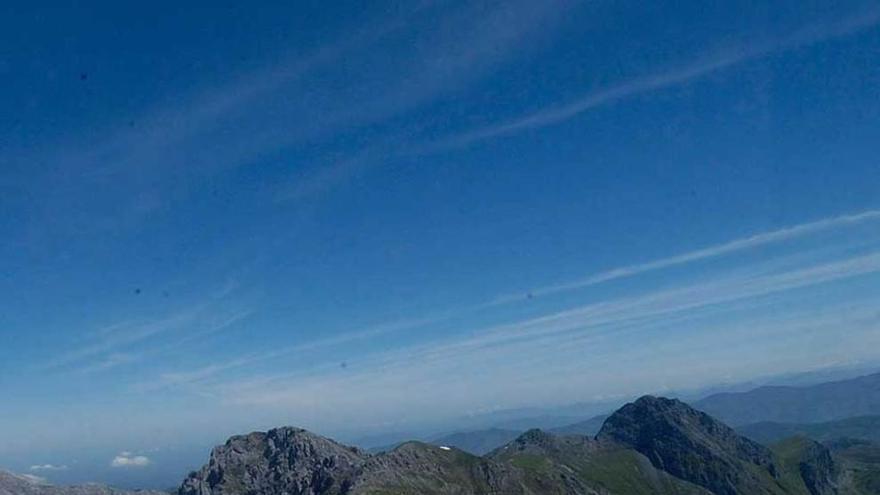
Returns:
(283, 461)
(818, 470)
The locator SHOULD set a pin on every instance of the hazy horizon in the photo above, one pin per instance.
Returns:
(375, 218)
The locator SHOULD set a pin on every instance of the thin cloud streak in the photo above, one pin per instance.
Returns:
(549, 116)
(126, 336)
(651, 306)
(108, 350)
(757, 240)
(557, 329)
(518, 371)
(119, 359)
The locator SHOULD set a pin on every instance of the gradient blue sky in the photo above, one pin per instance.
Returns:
(370, 216)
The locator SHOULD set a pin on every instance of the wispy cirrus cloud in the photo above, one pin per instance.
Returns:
(346, 168)
(718, 250)
(279, 108)
(544, 347)
(129, 341)
(123, 336)
(625, 307)
(540, 350)
(709, 64)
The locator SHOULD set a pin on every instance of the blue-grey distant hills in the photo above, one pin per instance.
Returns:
(787, 404)
(860, 427)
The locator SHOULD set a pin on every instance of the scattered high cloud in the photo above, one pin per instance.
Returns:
(128, 459)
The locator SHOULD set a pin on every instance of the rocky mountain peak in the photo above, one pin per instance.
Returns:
(690, 444)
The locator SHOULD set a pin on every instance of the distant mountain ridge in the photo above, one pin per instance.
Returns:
(829, 401)
(860, 428)
(16, 484)
(588, 427)
(477, 442)
(585, 418)
(651, 446)
(481, 442)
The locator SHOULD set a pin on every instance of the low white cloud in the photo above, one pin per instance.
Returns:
(127, 459)
(48, 467)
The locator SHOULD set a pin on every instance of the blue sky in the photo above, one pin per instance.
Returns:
(362, 218)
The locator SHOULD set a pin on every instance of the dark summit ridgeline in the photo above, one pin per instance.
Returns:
(651, 446)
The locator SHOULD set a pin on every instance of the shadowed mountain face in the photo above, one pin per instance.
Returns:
(817, 403)
(13, 484)
(652, 446)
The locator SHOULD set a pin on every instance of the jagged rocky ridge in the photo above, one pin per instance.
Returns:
(652, 446)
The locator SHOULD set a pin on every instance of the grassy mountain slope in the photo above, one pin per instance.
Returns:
(578, 464)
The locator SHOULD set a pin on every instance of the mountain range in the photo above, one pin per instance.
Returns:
(824, 411)
(815, 439)
(650, 446)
